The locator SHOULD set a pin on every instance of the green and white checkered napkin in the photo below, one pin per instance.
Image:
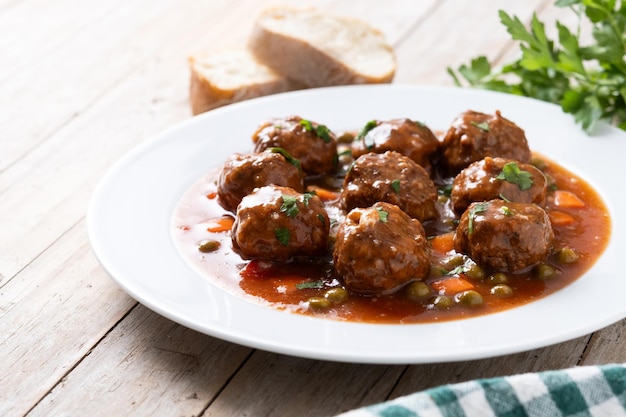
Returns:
(586, 391)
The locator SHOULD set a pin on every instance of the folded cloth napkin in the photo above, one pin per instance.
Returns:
(585, 391)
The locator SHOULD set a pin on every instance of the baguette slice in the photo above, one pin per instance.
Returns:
(321, 50)
(230, 76)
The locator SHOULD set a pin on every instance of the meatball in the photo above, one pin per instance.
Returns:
(311, 143)
(492, 178)
(504, 236)
(410, 138)
(379, 249)
(241, 174)
(279, 223)
(474, 135)
(393, 178)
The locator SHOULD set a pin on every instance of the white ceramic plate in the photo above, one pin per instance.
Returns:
(129, 222)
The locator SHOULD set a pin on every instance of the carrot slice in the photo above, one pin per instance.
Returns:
(452, 285)
(323, 194)
(560, 218)
(567, 200)
(443, 243)
(222, 224)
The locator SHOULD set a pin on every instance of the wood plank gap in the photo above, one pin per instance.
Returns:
(226, 383)
(71, 368)
(67, 122)
(34, 258)
(389, 395)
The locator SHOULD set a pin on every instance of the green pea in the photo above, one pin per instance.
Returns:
(418, 291)
(566, 255)
(207, 246)
(475, 272)
(452, 262)
(437, 271)
(336, 295)
(442, 302)
(544, 271)
(501, 290)
(319, 303)
(471, 298)
(498, 278)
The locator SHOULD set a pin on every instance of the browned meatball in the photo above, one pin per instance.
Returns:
(504, 236)
(243, 173)
(492, 178)
(279, 223)
(405, 136)
(379, 249)
(474, 135)
(311, 143)
(393, 178)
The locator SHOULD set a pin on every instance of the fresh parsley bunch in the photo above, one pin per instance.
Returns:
(587, 81)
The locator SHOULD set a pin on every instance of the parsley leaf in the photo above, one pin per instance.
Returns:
(368, 142)
(382, 214)
(283, 235)
(512, 173)
(320, 131)
(587, 81)
(476, 209)
(289, 206)
(293, 161)
(506, 211)
(310, 284)
(484, 126)
(395, 186)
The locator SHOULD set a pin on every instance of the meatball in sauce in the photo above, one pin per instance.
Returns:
(503, 178)
(313, 144)
(474, 135)
(241, 174)
(393, 178)
(504, 236)
(408, 137)
(380, 249)
(278, 223)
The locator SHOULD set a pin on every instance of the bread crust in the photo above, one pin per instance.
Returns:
(212, 86)
(297, 56)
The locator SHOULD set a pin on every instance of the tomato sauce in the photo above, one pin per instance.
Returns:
(303, 286)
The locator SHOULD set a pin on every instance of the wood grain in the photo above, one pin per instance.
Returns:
(81, 84)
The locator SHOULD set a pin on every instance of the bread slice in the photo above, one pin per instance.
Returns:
(318, 49)
(230, 76)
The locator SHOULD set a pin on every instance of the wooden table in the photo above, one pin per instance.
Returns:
(83, 82)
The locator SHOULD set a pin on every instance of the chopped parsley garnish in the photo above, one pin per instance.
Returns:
(306, 197)
(321, 218)
(369, 143)
(382, 214)
(395, 185)
(484, 126)
(293, 161)
(321, 131)
(309, 284)
(283, 235)
(506, 211)
(503, 197)
(445, 190)
(474, 211)
(289, 206)
(512, 173)
(458, 270)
